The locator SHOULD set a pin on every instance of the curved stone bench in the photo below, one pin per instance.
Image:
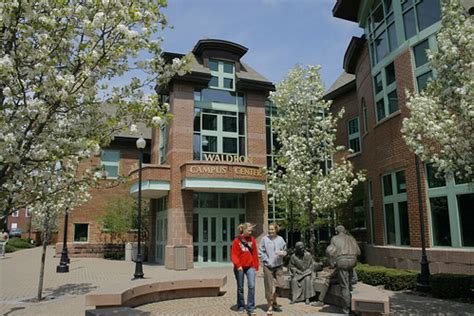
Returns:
(139, 292)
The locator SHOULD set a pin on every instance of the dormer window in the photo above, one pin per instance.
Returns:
(223, 75)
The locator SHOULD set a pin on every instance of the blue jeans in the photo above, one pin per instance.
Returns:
(239, 276)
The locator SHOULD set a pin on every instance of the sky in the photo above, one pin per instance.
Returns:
(278, 33)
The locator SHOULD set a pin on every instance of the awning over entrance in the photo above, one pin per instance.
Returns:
(222, 185)
(151, 189)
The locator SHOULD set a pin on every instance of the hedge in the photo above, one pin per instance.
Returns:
(15, 244)
(114, 255)
(398, 280)
(446, 285)
(391, 279)
(20, 243)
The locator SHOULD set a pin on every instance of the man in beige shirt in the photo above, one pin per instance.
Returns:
(342, 253)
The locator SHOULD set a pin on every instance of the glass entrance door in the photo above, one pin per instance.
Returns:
(161, 237)
(215, 220)
(216, 230)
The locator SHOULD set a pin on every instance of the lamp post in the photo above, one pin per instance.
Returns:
(63, 266)
(141, 143)
(64, 261)
(424, 280)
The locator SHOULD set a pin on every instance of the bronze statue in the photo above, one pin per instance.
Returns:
(302, 273)
(342, 254)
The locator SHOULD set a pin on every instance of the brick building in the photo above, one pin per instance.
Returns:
(20, 222)
(379, 66)
(86, 236)
(205, 175)
(202, 173)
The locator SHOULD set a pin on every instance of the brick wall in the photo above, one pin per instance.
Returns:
(383, 148)
(90, 212)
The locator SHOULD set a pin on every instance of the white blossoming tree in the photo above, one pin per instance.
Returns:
(306, 131)
(440, 128)
(59, 193)
(57, 58)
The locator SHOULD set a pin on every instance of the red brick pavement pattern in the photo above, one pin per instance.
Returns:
(65, 292)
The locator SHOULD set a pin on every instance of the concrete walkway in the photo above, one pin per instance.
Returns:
(64, 293)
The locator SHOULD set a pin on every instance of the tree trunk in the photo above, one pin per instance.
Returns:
(312, 238)
(43, 259)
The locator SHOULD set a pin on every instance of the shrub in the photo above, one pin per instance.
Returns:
(398, 280)
(9, 248)
(114, 255)
(19, 243)
(372, 275)
(391, 279)
(445, 285)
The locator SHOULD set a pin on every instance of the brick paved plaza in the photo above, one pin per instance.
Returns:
(65, 292)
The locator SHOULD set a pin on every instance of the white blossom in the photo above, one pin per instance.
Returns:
(55, 64)
(306, 132)
(440, 127)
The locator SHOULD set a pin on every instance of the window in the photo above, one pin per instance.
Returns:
(27, 212)
(419, 14)
(16, 213)
(218, 132)
(365, 116)
(422, 71)
(451, 206)
(81, 232)
(163, 138)
(163, 143)
(219, 200)
(222, 75)
(386, 100)
(395, 209)
(110, 159)
(381, 30)
(371, 212)
(219, 123)
(272, 144)
(354, 134)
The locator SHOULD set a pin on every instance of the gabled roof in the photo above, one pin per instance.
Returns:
(143, 131)
(352, 53)
(246, 78)
(344, 83)
(346, 9)
(220, 45)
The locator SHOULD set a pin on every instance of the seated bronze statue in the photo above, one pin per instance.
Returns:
(302, 272)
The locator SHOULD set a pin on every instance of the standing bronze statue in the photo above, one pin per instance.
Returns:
(342, 253)
(302, 273)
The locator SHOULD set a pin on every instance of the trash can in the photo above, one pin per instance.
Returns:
(180, 254)
(130, 254)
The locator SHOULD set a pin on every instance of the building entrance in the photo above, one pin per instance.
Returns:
(161, 230)
(214, 228)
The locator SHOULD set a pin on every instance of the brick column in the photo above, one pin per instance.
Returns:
(180, 142)
(257, 204)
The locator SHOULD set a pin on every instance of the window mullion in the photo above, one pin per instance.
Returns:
(396, 199)
(454, 219)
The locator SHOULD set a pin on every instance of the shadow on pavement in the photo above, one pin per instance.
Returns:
(14, 309)
(412, 304)
(70, 289)
(331, 309)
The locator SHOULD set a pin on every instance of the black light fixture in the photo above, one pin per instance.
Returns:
(424, 278)
(141, 143)
(63, 266)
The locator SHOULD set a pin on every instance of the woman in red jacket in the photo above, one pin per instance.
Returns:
(244, 255)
